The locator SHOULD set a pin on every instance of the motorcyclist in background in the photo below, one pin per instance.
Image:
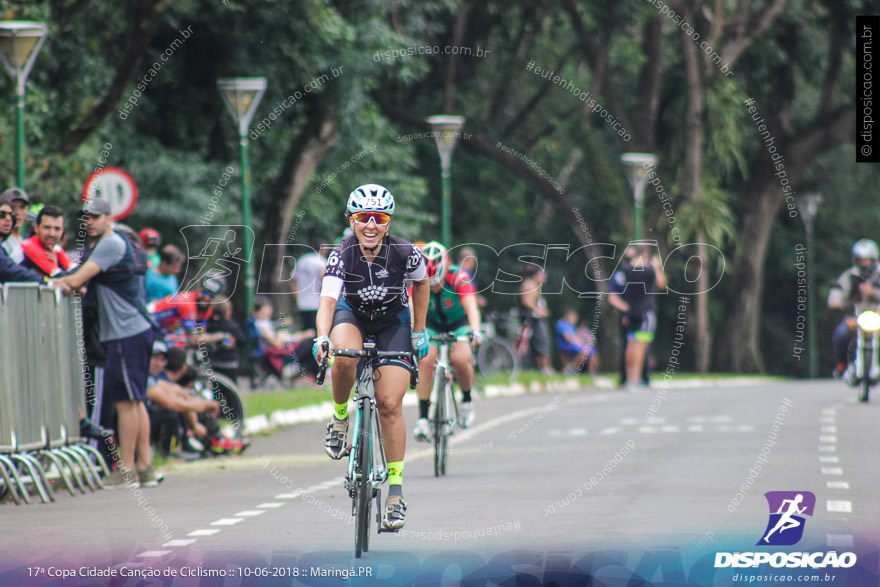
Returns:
(860, 284)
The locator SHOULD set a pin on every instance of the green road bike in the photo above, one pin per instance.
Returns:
(444, 408)
(367, 467)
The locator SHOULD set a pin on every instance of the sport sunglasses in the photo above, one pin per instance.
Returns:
(380, 218)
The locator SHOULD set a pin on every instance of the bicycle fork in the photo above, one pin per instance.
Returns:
(377, 472)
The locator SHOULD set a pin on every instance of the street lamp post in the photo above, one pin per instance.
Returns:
(242, 95)
(446, 127)
(20, 42)
(637, 173)
(809, 205)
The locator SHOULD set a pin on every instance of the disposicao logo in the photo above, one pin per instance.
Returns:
(785, 528)
(786, 524)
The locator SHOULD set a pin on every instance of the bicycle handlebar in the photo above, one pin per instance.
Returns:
(371, 353)
(449, 338)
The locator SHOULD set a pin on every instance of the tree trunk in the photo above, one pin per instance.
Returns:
(740, 349)
(693, 189)
(312, 151)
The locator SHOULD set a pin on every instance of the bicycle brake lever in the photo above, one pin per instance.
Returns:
(322, 368)
(414, 373)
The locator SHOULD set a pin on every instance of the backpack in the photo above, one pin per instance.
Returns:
(119, 278)
(140, 261)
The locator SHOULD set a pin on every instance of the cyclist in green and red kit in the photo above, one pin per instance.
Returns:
(452, 308)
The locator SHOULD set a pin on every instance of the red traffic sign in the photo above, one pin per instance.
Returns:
(114, 186)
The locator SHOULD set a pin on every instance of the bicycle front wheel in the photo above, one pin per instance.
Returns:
(363, 487)
(447, 426)
(438, 424)
(497, 356)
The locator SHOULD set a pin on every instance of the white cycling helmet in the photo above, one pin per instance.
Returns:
(436, 261)
(370, 197)
(866, 249)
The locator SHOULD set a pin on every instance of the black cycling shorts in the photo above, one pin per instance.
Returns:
(392, 333)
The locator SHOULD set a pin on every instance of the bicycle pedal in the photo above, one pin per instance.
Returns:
(388, 530)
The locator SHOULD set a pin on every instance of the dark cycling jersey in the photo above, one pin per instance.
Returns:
(373, 290)
(445, 311)
(635, 284)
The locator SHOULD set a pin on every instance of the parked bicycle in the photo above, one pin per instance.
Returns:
(496, 354)
(367, 466)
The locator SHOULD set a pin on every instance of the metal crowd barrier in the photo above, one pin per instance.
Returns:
(42, 396)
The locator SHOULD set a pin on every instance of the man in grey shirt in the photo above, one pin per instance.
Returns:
(125, 328)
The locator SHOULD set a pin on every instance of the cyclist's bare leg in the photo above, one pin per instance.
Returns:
(390, 388)
(635, 357)
(462, 364)
(344, 371)
(426, 373)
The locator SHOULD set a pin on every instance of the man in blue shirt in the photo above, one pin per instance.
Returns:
(161, 281)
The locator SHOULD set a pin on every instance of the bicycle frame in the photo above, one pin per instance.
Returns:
(444, 408)
(441, 400)
(366, 470)
(366, 403)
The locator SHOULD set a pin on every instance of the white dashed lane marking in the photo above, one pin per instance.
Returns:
(204, 532)
(179, 542)
(153, 553)
(227, 521)
(837, 484)
(839, 505)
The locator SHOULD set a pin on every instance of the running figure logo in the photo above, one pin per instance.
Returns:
(786, 524)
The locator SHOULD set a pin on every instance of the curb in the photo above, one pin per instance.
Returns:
(320, 412)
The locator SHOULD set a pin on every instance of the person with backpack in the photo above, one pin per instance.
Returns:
(125, 328)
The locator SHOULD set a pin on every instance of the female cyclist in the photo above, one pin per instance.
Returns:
(364, 292)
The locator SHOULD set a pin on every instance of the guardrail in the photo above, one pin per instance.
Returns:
(42, 396)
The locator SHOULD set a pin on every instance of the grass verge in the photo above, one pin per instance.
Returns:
(266, 403)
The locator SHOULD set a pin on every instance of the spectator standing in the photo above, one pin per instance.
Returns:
(535, 313)
(631, 293)
(161, 280)
(9, 269)
(20, 201)
(126, 328)
(151, 242)
(42, 251)
(305, 283)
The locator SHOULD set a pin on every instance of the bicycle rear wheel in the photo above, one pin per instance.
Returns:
(497, 356)
(363, 487)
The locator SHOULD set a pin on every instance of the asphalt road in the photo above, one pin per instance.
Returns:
(648, 484)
